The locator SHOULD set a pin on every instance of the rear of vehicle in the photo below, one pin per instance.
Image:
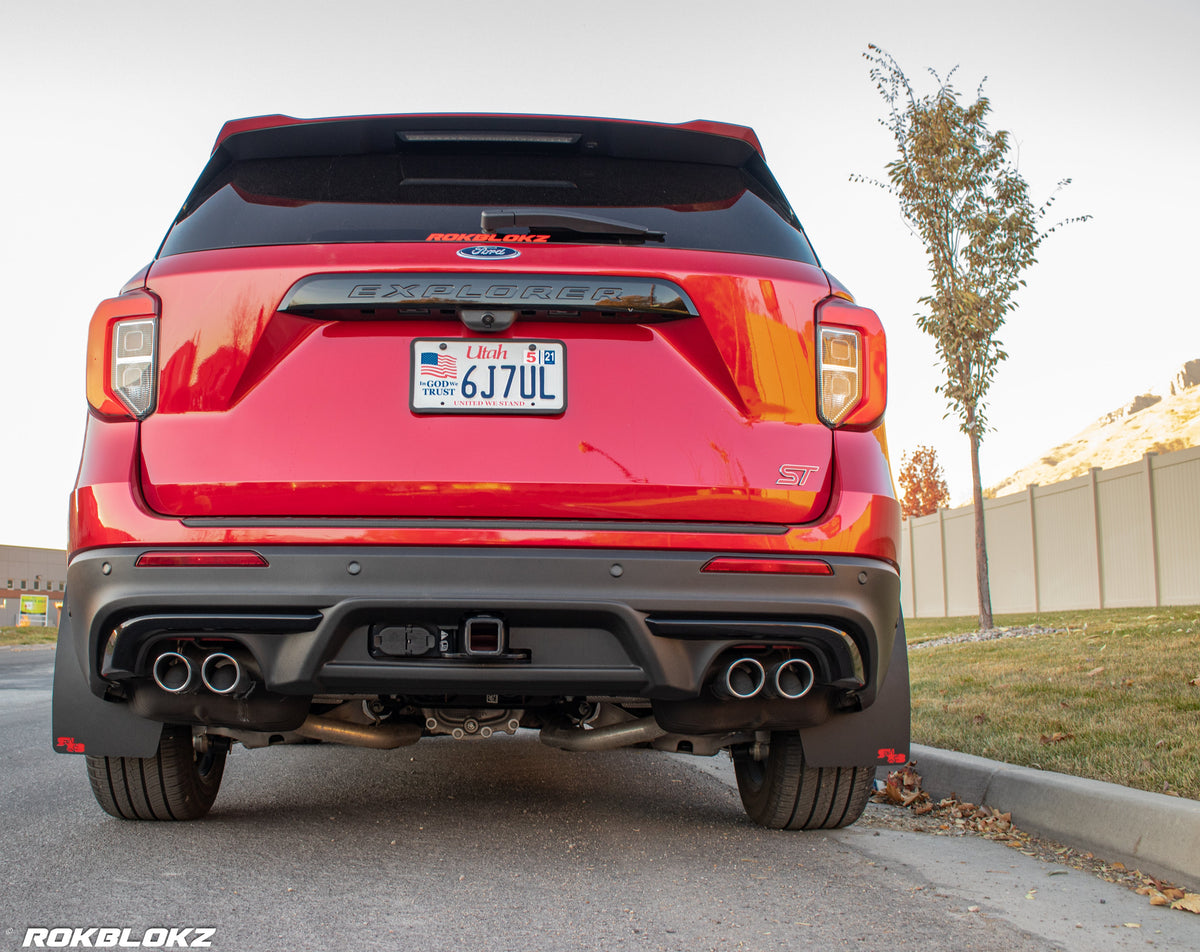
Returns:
(459, 425)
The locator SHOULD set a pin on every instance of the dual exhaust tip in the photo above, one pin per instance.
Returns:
(220, 672)
(740, 680)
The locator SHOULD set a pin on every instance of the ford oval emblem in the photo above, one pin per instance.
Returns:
(488, 252)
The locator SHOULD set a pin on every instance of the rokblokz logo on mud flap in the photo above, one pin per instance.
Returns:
(112, 937)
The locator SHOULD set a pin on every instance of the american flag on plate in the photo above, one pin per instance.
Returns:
(442, 366)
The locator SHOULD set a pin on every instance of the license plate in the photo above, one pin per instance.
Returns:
(489, 376)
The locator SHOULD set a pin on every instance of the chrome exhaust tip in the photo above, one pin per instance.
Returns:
(791, 679)
(742, 679)
(174, 673)
(222, 673)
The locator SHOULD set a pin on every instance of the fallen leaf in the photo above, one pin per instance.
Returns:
(1132, 925)
(892, 792)
(1057, 737)
(1096, 671)
(1195, 682)
(972, 908)
(979, 719)
(1032, 894)
(1189, 903)
(1158, 899)
(1119, 866)
(1173, 893)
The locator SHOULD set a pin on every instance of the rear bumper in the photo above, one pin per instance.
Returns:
(630, 623)
(654, 629)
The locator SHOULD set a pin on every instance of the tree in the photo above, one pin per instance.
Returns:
(923, 487)
(963, 196)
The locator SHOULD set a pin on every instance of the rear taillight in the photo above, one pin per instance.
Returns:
(122, 364)
(841, 372)
(134, 343)
(851, 365)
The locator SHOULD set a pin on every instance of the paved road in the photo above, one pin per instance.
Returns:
(508, 845)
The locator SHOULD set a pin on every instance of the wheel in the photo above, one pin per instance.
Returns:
(177, 783)
(783, 793)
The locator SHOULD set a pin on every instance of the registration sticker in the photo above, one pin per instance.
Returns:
(489, 376)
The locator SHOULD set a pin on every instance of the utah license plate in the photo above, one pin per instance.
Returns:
(489, 376)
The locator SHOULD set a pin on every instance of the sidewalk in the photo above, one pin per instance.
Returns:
(1152, 832)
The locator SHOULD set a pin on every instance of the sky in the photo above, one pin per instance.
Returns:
(110, 110)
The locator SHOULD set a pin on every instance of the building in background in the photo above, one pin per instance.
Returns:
(28, 571)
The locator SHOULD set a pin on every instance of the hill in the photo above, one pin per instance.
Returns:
(1158, 421)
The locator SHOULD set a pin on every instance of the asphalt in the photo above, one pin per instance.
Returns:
(1151, 832)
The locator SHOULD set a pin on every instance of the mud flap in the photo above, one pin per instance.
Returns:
(82, 723)
(877, 736)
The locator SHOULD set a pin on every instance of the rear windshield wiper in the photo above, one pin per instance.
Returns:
(493, 221)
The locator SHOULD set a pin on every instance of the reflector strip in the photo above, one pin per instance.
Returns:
(200, 560)
(770, 566)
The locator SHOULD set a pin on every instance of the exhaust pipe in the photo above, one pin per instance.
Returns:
(174, 673)
(740, 680)
(222, 673)
(791, 679)
(641, 731)
(378, 736)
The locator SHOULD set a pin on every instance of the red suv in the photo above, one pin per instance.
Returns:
(458, 425)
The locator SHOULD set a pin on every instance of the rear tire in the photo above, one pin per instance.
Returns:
(783, 792)
(177, 783)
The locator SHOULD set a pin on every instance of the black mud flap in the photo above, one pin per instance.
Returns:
(82, 723)
(877, 736)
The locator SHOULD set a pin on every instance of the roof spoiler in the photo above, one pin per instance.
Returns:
(433, 120)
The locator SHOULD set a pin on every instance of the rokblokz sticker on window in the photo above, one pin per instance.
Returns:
(488, 376)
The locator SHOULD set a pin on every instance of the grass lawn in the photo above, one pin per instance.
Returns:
(1109, 698)
(29, 635)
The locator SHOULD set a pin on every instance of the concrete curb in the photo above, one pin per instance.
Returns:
(1151, 832)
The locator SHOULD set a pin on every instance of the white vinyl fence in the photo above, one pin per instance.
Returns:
(1128, 536)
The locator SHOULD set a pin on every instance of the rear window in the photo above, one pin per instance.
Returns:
(407, 197)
